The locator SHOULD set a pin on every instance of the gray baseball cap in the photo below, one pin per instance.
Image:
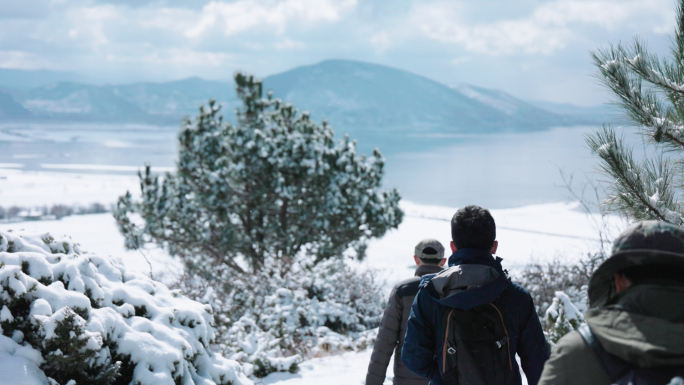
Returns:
(427, 247)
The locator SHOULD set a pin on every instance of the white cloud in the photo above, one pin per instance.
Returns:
(607, 14)
(243, 15)
(210, 38)
(165, 18)
(88, 24)
(547, 29)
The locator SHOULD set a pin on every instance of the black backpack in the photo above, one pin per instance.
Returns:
(476, 348)
(622, 372)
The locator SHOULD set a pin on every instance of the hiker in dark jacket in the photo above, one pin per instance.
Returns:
(636, 321)
(474, 280)
(429, 258)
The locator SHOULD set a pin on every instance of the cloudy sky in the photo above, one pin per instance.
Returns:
(534, 49)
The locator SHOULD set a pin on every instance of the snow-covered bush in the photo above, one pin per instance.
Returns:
(559, 292)
(275, 318)
(72, 352)
(67, 315)
(544, 279)
(562, 317)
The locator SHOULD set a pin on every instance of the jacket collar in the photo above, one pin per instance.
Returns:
(467, 256)
(427, 269)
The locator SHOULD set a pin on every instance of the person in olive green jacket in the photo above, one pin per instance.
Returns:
(429, 258)
(637, 311)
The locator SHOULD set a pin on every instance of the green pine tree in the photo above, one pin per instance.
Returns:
(650, 91)
(68, 356)
(269, 186)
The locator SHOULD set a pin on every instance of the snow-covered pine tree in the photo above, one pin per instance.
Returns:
(650, 90)
(73, 352)
(275, 189)
(268, 186)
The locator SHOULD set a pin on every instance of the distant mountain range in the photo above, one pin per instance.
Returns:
(380, 98)
(362, 99)
(155, 103)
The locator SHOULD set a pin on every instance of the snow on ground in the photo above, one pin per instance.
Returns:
(525, 234)
(34, 188)
(346, 369)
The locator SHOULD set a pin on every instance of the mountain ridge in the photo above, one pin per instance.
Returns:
(359, 98)
(355, 93)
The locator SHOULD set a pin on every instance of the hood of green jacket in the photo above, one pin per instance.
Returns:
(645, 327)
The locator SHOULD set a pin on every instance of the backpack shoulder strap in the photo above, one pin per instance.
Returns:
(614, 367)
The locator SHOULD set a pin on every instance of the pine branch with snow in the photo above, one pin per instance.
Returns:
(650, 90)
(645, 190)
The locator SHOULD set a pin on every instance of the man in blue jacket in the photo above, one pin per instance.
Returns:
(474, 278)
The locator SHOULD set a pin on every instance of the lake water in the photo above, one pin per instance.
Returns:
(495, 171)
(46, 146)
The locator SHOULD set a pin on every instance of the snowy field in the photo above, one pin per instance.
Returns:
(33, 188)
(525, 234)
(346, 369)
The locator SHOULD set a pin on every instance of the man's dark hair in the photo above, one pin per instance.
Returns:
(473, 227)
